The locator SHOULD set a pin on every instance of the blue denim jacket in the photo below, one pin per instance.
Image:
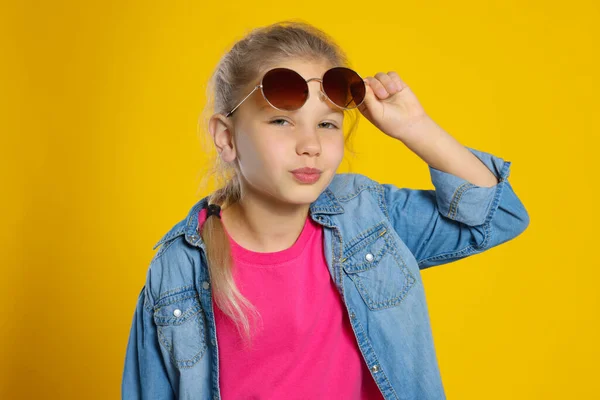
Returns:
(377, 238)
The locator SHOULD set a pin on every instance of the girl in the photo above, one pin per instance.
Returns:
(292, 281)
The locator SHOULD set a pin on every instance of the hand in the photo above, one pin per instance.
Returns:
(390, 105)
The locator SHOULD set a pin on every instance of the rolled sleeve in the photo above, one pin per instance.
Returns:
(458, 218)
(465, 202)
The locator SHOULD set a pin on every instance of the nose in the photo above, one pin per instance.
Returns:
(308, 142)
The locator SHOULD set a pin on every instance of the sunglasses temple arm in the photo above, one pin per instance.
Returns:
(352, 99)
(240, 103)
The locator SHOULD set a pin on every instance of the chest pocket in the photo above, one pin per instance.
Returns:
(379, 272)
(181, 323)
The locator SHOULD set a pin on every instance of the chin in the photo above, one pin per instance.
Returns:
(304, 194)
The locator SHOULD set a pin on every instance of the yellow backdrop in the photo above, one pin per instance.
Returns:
(100, 157)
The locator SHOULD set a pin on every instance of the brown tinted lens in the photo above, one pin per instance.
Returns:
(285, 89)
(344, 87)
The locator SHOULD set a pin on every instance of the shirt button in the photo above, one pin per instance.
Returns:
(194, 237)
(177, 313)
(205, 285)
(369, 257)
(352, 315)
(375, 368)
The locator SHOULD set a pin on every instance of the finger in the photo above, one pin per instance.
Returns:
(400, 84)
(387, 82)
(378, 88)
(370, 100)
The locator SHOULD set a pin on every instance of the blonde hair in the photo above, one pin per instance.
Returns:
(261, 49)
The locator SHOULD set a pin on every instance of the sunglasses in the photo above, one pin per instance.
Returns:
(285, 89)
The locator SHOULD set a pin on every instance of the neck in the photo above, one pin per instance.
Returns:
(262, 226)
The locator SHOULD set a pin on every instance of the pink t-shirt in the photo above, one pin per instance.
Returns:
(305, 347)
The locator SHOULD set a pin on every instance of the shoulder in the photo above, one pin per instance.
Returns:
(347, 187)
(177, 230)
(173, 266)
(349, 184)
(355, 193)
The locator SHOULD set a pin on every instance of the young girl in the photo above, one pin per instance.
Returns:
(295, 282)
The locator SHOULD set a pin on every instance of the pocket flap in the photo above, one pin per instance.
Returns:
(364, 253)
(176, 309)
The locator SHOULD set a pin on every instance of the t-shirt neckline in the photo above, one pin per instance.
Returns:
(246, 256)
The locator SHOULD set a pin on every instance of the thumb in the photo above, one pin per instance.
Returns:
(371, 102)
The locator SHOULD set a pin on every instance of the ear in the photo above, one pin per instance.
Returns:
(221, 130)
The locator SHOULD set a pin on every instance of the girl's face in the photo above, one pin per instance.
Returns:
(268, 143)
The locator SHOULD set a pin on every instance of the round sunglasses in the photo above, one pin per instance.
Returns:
(286, 90)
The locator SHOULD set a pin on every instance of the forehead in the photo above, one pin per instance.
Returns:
(306, 69)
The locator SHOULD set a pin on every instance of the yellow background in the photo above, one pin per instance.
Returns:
(100, 157)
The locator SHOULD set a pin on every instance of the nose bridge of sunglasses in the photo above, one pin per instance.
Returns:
(318, 88)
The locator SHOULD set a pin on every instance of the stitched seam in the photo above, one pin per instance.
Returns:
(181, 363)
(366, 265)
(180, 289)
(487, 229)
(453, 209)
(359, 325)
(175, 300)
(381, 200)
(489, 217)
(356, 192)
(162, 249)
(395, 251)
(170, 235)
(389, 303)
(338, 264)
(394, 301)
(148, 305)
(463, 252)
(366, 237)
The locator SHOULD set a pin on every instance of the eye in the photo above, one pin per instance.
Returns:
(277, 121)
(333, 126)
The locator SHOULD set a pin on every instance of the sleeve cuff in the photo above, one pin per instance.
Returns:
(462, 201)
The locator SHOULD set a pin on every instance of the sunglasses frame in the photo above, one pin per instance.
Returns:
(320, 80)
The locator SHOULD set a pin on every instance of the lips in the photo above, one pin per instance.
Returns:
(307, 175)
(307, 170)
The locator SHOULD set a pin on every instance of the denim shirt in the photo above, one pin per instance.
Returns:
(377, 238)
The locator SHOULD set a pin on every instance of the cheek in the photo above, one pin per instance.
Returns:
(250, 146)
(270, 154)
(333, 148)
(248, 153)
